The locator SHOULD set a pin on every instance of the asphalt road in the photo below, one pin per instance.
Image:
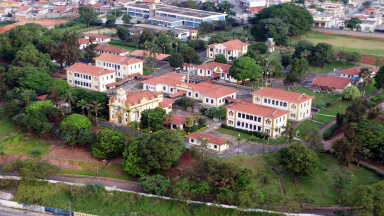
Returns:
(17, 212)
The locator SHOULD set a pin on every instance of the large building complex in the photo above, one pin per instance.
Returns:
(89, 77)
(181, 16)
(231, 49)
(127, 106)
(254, 117)
(298, 105)
(123, 65)
(216, 70)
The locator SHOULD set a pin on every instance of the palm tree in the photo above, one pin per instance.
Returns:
(238, 139)
(252, 139)
(365, 74)
(233, 33)
(203, 143)
(136, 112)
(62, 110)
(95, 108)
(276, 130)
(83, 104)
(70, 99)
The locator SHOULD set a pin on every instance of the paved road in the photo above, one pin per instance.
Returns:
(17, 212)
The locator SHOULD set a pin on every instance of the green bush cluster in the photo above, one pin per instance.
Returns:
(327, 134)
(376, 100)
(255, 133)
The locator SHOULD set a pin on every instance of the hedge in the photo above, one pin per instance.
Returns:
(369, 169)
(327, 134)
(375, 100)
(255, 133)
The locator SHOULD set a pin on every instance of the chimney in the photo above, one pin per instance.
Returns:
(187, 77)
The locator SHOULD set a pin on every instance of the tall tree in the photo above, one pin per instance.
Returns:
(298, 159)
(379, 78)
(285, 60)
(126, 18)
(95, 107)
(351, 93)
(109, 143)
(111, 21)
(146, 35)
(54, 93)
(122, 33)
(30, 56)
(155, 118)
(245, 68)
(90, 51)
(323, 54)
(132, 160)
(221, 59)
(83, 104)
(37, 81)
(274, 28)
(3, 86)
(176, 60)
(191, 56)
(88, 14)
(355, 112)
(354, 22)
(369, 197)
(342, 179)
(299, 66)
(366, 75)
(70, 99)
(345, 151)
(292, 79)
(376, 114)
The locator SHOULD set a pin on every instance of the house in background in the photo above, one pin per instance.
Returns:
(353, 73)
(331, 83)
(177, 121)
(124, 65)
(57, 105)
(215, 143)
(99, 37)
(10, 3)
(101, 49)
(231, 49)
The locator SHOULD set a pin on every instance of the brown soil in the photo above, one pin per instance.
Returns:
(78, 153)
(370, 59)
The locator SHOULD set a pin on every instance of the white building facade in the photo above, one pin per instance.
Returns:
(123, 65)
(231, 49)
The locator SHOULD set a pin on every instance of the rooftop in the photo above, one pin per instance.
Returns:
(282, 95)
(166, 19)
(231, 45)
(83, 41)
(354, 71)
(44, 22)
(140, 53)
(159, 28)
(88, 69)
(332, 81)
(133, 97)
(97, 36)
(213, 65)
(60, 8)
(24, 8)
(117, 59)
(212, 139)
(256, 109)
(177, 10)
(177, 119)
(111, 49)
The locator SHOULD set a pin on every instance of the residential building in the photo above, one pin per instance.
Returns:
(333, 9)
(189, 66)
(193, 34)
(99, 37)
(254, 3)
(83, 43)
(23, 10)
(89, 77)
(178, 121)
(10, 3)
(174, 84)
(371, 10)
(122, 64)
(61, 9)
(299, 105)
(216, 70)
(354, 74)
(5, 10)
(231, 49)
(332, 83)
(101, 49)
(58, 104)
(189, 17)
(215, 143)
(127, 106)
(323, 20)
(246, 115)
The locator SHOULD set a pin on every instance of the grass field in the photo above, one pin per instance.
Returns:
(247, 136)
(109, 203)
(321, 98)
(336, 108)
(369, 89)
(330, 67)
(319, 186)
(322, 118)
(369, 46)
(307, 124)
(120, 45)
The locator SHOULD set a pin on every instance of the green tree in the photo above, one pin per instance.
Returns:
(95, 107)
(292, 79)
(366, 75)
(33, 120)
(30, 56)
(206, 27)
(62, 85)
(88, 14)
(261, 48)
(376, 114)
(155, 118)
(132, 160)
(369, 133)
(37, 81)
(80, 121)
(156, 184)
(33, 168)
(298, 159)
(68, 51)
(245, 68)
(38, 105)
(285, 60)
(186, 102)
(345, 151)
(221, 59)
(162, 41)
(83, 104)
(312, 138)
(379, 78)
(111, 20)
(351, 93)
(176, 60)
(274, 28)
(290, 13)
(72, 135)
(69, 98)
(122, 33)
(161, 150)
(355, 112)
(299, 66)
(354, 57)
(323, 54)
(304, 49)
(182, 47)
(191, 56)
(3, 86)
(109, 143)
(367, 4)
(146, 35)
(342, 179)
(354, 22)
(90, 52)
(126, 18)
(275, 67)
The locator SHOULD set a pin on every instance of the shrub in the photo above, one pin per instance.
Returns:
(35, 151)
(255, 133)
(156, 184)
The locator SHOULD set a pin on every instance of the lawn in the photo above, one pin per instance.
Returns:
(336, 108)
(307, 124)
(369, 46)
(247, 136)
(122, 45)
(321, 97)
(319, 186)
(369, 89)
(330, 67)
(322, 118)
(147, 72)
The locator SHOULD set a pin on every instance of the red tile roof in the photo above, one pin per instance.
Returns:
(42, 2)
(354, 71)
(42, 97)
(332, 81)
(111, 49)
(166, 102)
(118, 59)
(97, 36)
(179, 93)
(83, 41)
(99, 4)
(213, 65)
(139, 53)
(177, 119)
(282, 95)
(219, 92)
(256, 109)
(189, 65)
(256, 9)
(231, 45)
(24, 8)
(133, 97)
(212, 139)
(60, 8)
(193, 30)
(88, 69)
(123, 80)
(44, 22)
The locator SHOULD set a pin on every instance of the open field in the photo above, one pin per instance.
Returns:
(321, 97)
(337, 108)
(307, 124)
(350, 44)
(330, 67)
(247, 136)
(319, 186)
(322, 118)
(121, 45)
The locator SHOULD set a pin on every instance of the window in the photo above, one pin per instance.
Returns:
(277, 120)
(242, 124)
(267, 130)
(293, 115)
(254, 127)
(246, 125)
(209, 72)
(211, 49)
(230, 122)
(301, 114)
(111, 76)
(268, 121)
(273, 102)
(215, 146)
(265, 100)
(211, 101)
(285, 104)
(239, 115)
(189, 93)
(243, 116)
(301, 106)
(259, 120)
(227, 76)
(277, 103)
(283, 118)
(269, 101)
(164, 88)
(250, 126)
(192, 140)
(196, 95)
(251, 118)
(308, 103)
(238, 123)
(220, 101)
(201, 71)
(229, 52)
(307, 111)
(247, 117)
(89, 77)
(259, 128)
(222, 75)
(171, 89)
(131, 67)
(206, 100)
(103, 63)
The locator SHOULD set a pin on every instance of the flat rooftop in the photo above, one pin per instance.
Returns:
(159, 28)
(165, 19)
(177, 10)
